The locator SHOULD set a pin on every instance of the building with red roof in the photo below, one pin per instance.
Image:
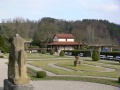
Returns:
(63, 42)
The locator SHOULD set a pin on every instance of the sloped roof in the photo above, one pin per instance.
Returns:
(64, 36)
(63, 43)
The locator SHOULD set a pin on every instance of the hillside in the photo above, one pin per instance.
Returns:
(88, 30)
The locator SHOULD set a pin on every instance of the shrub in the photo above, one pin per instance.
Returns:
(114, 54)
(75, 53)
(95, 56)
(52, 52)
(1, 56)
(41, 74)
(2, 42)
(61, 53)
(33, 47)
(119, 61)
(7, 49)
(119, 79)
(43, 51)
(86, 53)
(2, 49)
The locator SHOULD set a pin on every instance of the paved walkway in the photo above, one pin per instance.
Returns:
(56, 85)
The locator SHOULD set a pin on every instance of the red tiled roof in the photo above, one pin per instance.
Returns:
(64, 43)
(64, 35)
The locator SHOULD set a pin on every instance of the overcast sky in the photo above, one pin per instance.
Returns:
(61, 9)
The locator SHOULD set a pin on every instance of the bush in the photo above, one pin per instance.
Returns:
(33, 47)
(114, 54)
(119, 79)
(86, 53)
(1, 56)
(52, 52)
(41, 74)
(43, 51)
(2, 49)
(119, 61)
(2, 42)
(95, 56)
(5, 49)
(61, 53)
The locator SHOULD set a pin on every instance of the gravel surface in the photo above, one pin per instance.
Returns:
(70, 85)
(56, 85)
(40, 69)
(3, 71)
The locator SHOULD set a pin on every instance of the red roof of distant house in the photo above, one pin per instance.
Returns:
(64, 35)
(64, 43)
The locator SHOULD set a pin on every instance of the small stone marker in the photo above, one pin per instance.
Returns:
(17, 70)
(77, 62)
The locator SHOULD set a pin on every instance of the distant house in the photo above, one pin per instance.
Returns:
(63, 42)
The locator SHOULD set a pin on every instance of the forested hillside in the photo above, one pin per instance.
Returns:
(42, 31)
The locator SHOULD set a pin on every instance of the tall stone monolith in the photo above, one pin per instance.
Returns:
(17, 70)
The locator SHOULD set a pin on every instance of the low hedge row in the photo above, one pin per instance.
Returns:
(33, 47)
(86, 53)
(114, 54)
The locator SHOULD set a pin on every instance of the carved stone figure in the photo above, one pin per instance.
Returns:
(17, 70)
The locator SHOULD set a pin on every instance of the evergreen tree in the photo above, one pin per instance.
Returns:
(95, 56)
(61, 53)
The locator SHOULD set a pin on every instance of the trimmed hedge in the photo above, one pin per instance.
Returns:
(52, 52)
(1, 56)
(43, 51)
(119, 79)
(86, 53)
(61, 53)
(41, 74)
(33, 47)
(114, 54)
(95, 56)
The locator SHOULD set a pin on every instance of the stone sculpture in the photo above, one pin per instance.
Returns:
(17, 71)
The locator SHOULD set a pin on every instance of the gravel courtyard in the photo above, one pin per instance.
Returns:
(56, 85)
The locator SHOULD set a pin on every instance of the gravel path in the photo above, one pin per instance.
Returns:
(3, 72)
(56, 85)
(40, 69)
(70, 85)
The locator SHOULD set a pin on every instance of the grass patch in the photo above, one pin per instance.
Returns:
(87, 70)
(44, 56)
(82, 67)
(82, 70)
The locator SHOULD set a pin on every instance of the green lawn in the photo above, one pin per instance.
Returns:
(86, 70)
(43, 56)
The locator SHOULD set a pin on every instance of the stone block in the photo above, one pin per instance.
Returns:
(10, 86)
(77, 63)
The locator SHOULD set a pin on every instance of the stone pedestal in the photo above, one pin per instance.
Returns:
(77, 63)
(10, 86)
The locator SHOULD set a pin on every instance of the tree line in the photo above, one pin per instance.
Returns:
(41, 31)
